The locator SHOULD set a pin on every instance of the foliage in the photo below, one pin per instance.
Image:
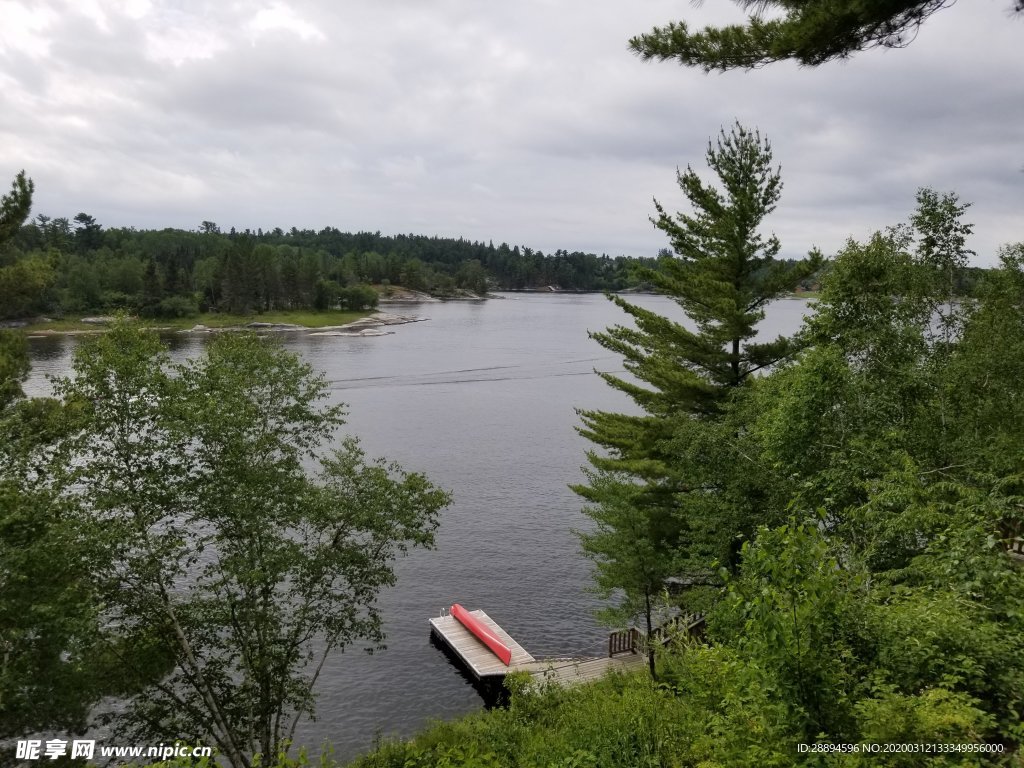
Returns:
(810, 32)
(357, 298)
(14, 366)
(865, 423)
(937, 716)
(787, 612)
(15, 206)
(942, 248)
(171, 307)
(887, 608)
(622, 720)
(888, 423)
(24, 286)
(222, 574)
(51, 665)
(982, 385)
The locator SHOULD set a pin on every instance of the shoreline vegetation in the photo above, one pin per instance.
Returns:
(56, 267)
(334, 322)
(324, 322)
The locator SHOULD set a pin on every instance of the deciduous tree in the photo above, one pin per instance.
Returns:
(226, 573)
(52, 666)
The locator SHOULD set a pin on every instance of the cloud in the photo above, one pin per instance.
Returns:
(528, 123)
(24, 28)
(280, 17)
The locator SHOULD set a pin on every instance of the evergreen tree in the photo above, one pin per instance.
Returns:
(658, 488)
(152, 289)
(15, 206)
(290, 281)
(811, 32)
(88, 234)
(237, 296)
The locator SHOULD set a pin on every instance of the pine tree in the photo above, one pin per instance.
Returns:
(657, 487)
(237, 295)
(15, 206)
(810, 32)
(152, 289)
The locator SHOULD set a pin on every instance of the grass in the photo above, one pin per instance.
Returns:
(308, 318)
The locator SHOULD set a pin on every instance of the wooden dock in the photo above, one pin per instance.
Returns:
(477, 657)
(485, 666)
(566, 672)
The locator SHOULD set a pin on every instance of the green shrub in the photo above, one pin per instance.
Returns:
(171, 307)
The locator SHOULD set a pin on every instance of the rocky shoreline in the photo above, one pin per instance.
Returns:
(372, 325)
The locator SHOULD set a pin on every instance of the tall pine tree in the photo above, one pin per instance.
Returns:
(659, 487)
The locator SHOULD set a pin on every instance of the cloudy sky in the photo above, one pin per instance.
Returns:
(527, 122)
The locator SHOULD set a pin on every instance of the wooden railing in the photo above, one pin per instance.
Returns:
(624, 641)
(1013, 536)
(631, 640)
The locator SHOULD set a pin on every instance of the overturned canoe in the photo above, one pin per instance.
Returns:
(483, 633)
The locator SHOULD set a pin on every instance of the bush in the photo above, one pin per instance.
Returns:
(171, 307)
(114, 300)
(357, 298)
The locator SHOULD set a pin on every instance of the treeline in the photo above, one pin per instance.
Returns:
(56, 266)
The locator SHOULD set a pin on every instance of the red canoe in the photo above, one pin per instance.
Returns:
(483, 633)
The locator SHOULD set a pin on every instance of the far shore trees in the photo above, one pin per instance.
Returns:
(663, 488)
(15, 206)
(23, 281)
(53, 267)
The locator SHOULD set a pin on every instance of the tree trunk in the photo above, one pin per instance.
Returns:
(650, 637)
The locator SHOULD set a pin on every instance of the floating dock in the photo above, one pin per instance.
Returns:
(485, 666)
(477, 657)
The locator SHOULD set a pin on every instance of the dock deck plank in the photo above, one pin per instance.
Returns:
(482, 663)
(572, 671)
(477, 656)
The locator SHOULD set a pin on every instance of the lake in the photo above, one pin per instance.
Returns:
(480, 397)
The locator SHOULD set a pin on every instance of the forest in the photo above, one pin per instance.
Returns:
(53, 266)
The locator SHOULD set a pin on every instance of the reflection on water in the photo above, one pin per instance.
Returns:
(490, 689)
(482, 399)
(45, 349)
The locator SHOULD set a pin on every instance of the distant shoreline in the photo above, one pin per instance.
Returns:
(328, 323)
(321, 324)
